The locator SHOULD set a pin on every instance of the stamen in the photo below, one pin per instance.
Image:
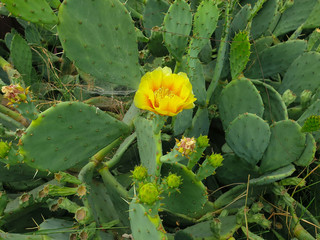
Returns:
(162, 93)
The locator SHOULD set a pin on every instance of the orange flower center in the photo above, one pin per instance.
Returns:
(162, 93)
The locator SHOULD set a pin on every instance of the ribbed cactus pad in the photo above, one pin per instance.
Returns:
(239, 96)
(275, 59)
(248, 135)
(145, 225)
(302, 74)
(30, 10)
(308, 154)
(192, 198)
(177, 26)
(239, 53)
(274, 107)
(99, 37)
(287, 143)
(67, 134)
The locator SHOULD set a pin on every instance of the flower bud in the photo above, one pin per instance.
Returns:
(202, 141)
(173, 180)
(148, 193)
(311, 124)
(139, 173)
(215, 160)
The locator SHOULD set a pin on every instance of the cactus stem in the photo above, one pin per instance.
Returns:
(99, 156)
(123, 147)
(19, 120)
(110, 180)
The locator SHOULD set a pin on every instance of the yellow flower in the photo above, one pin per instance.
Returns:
(164, 93)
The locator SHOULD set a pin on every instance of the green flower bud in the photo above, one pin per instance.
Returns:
(202, 141)
(215, 160)
(173, 180)
(149, 193)
(139, 173)
(311, 124)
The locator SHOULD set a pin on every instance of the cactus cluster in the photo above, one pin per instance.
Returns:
(229, 102)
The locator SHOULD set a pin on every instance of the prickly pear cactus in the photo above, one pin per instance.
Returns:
(34, 11)
(102, 43)
(177, 27)
(239, 96)
(191, 199)
(145, 224)
(239, 53)
(46, 146)
(242, 138)
(287, 143)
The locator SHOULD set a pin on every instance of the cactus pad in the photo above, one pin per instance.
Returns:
(34, 11)
(239, 96)
(308, 154)
(154, 13)
(177, 26)
(265, 16)
(67, 134)
(192, 195)
(294, 16)
(148, 144)
(287, 143)
(305, 67)
(274, 107)
(145, 225)
(248, 135)
(99, 37)
(239, 53)
(276, 59)
(205, 23)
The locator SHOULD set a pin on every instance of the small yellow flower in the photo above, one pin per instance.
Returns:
(164, 92)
